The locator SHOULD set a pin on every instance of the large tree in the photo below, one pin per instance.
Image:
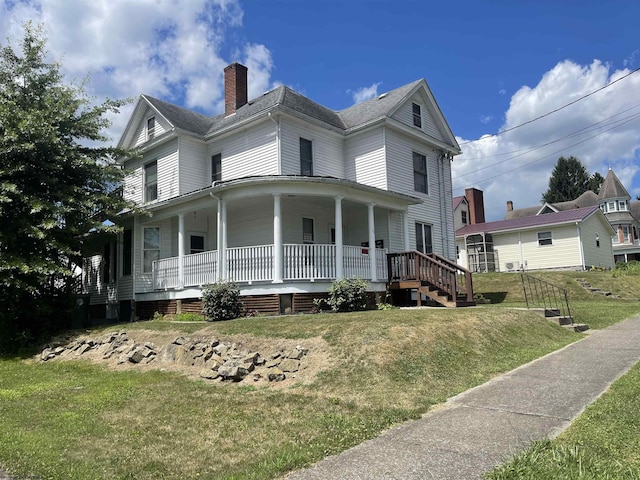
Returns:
(570, 179)
(56, 183)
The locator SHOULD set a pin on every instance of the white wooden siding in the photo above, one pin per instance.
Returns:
(250, 152)
(595, 256)
(437, 208)
(328, 150)
(140, 134)
(132, 185)
(167, 157)
(195, 168)
(396, 232)
(404, 114)
(365, 159)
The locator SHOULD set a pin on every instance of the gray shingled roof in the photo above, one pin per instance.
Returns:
(612, 188)
(567, 216)
(181, 117)
(587, 199)
(375, 107)
(286, 98)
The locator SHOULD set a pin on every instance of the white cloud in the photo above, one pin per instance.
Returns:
(601, 130)
(129, 47)
(502, 91)
(486, 118)
(364, 93)
(630, 61)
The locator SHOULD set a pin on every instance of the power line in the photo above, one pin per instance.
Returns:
(524, 151)
(630, 119)
(556, 110)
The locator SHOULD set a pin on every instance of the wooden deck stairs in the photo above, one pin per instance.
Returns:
(431, 275)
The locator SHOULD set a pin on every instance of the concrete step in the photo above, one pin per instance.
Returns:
(577, 327)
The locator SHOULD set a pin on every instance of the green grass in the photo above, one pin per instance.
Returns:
(79, 420)
(603, 443)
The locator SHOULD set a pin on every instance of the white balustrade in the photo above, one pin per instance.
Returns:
(255, 264)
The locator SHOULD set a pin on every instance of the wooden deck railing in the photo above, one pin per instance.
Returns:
(430, 269)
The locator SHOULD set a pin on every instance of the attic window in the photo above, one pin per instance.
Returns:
(151, 127)
(417, 115)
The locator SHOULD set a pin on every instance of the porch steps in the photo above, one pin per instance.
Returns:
(431, 292)
(562, 320)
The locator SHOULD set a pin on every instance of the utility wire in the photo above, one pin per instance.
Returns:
(553, 153)
(556, 110)
(586, 129)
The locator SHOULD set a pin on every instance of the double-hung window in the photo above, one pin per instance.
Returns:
(544, 238)
(420, 180)
(150, 248)
(306, 157)
(464, 217)
(151, 181)
(151, 127)
(417, 115)
(216, 167)
(424, 240)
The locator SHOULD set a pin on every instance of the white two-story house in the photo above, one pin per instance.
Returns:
(279, 194)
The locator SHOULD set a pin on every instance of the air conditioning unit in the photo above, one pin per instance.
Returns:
(509, 266)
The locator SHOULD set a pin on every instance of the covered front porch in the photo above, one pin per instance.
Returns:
(265, 232)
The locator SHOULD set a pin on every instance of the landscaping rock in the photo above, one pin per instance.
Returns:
(289, 365)
(276, 375)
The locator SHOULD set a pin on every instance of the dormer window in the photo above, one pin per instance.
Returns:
(151, 127)
(417, 115)
(622, 205)
(611, 207)
(464, 217)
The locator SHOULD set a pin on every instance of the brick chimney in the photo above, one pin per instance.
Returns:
(235, 87)
(509, 206)
(475, 198)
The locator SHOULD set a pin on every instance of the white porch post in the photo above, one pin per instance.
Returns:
(181, 250)
(339, 246)
(405, 227)
(277, 240)
(372, 243)
(222, 239)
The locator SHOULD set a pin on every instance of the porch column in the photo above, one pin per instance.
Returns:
(339, 246)
(405, 227)
(277, 240)
(222, 239)
(372, 244)
(181, 250)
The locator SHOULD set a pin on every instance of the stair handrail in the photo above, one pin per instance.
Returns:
(539, 293)
(413, 270)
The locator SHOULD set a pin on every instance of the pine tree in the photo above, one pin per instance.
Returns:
(55, 188)
(570, 179)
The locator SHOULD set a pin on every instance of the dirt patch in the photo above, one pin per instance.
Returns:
(317, 355)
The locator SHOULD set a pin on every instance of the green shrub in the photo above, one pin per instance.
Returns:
(628, 268)
(348, 295)
(221, 301)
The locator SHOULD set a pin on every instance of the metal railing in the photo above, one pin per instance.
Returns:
(539, 293)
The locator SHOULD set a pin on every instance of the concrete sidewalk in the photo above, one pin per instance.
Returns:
(483, 427)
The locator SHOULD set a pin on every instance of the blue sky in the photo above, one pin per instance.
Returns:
(491, 66)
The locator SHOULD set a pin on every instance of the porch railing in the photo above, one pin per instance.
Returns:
(255, 264)
(538, 293)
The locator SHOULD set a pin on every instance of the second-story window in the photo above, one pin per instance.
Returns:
(417, 115)
(306, 157)
(464, 217)
(151, 181)
(420, 183)
(151, 127)
(216, 167)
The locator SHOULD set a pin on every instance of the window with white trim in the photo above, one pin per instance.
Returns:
(420, 180)
(151, 127)
(464, 216)
(150, 248)
(417, 115)
(196, 244)
(544, 238)
(424, 239)
(151, 181)
(306, 157)
(216, 167)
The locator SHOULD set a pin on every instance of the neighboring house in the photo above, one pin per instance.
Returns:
(614, 201)
(578, 238)
(278, 194)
